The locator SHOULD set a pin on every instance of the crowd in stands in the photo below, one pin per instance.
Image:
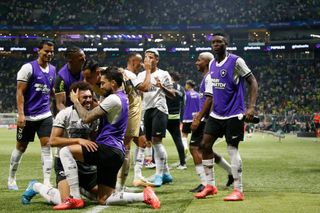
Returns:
(153, 13)
(285, 86)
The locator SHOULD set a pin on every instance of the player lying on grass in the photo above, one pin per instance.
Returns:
(69, 129)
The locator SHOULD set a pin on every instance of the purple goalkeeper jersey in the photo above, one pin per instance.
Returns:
(191, 105)
(40, 86)
(112, 135)
(228, 96)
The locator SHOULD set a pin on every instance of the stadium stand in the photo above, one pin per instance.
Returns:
(288, 79)
(135, 12)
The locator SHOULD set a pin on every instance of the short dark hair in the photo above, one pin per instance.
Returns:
(225, 36)
(90, 64)
(81, 85)
(191, 83)
(132, 54)
(45, 42)
(175, 76)
(113, 73)
(71, 50)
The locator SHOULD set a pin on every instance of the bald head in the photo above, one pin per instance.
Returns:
(134, 62)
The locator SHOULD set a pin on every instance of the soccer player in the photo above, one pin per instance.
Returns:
(175, 108)
(191, 107)
(91, 74)
(69, 129)
(199, 121)
(108, 154)
(68, 74)
(134, 65)
(228, 73)
(35, 81)
(156, 85)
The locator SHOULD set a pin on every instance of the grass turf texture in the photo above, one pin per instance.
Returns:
(278, 177)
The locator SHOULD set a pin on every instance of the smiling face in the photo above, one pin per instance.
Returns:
(46, 53)
(85, 99)
(201, 63)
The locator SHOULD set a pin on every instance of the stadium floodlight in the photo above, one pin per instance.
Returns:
(203, 49)
(18, 49)
(300, 46)
(89, 49)
(251, 48)
(315, 35)
(232, 48)
(110, 49)
(62, 49)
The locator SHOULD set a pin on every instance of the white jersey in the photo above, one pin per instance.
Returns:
(69, 120)
(155, 97)
(112, 106)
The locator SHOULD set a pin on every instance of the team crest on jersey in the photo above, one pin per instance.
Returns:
(223, 73)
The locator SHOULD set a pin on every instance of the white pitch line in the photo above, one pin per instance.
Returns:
(96, 209)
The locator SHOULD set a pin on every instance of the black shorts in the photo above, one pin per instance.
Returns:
(186, 127)
(196, 136)
(108, 161)
(232, 129)
(42, 128)
(155, 123)
(87, 174)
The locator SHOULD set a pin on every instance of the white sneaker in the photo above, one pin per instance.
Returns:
(12, 185)
(150, 165)
(181, 167)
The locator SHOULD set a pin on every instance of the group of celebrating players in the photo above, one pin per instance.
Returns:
(99, 111)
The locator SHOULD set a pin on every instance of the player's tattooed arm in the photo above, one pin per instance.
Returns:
(86, 116)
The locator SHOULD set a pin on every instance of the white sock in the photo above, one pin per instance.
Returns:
(16, 156)
(138, 163)
(46, 158)
(135, 155)
(225, 165)
(201, 173)
(209, 170)
(124, 170)
(71, 171)
(185, 142)
(149, 152)
(160, 158)
(124, 197)
(50, 194)
(236, 167)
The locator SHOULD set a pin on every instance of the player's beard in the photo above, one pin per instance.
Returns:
(107, 92)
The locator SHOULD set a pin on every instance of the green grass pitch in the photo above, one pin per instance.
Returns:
(278, 177)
